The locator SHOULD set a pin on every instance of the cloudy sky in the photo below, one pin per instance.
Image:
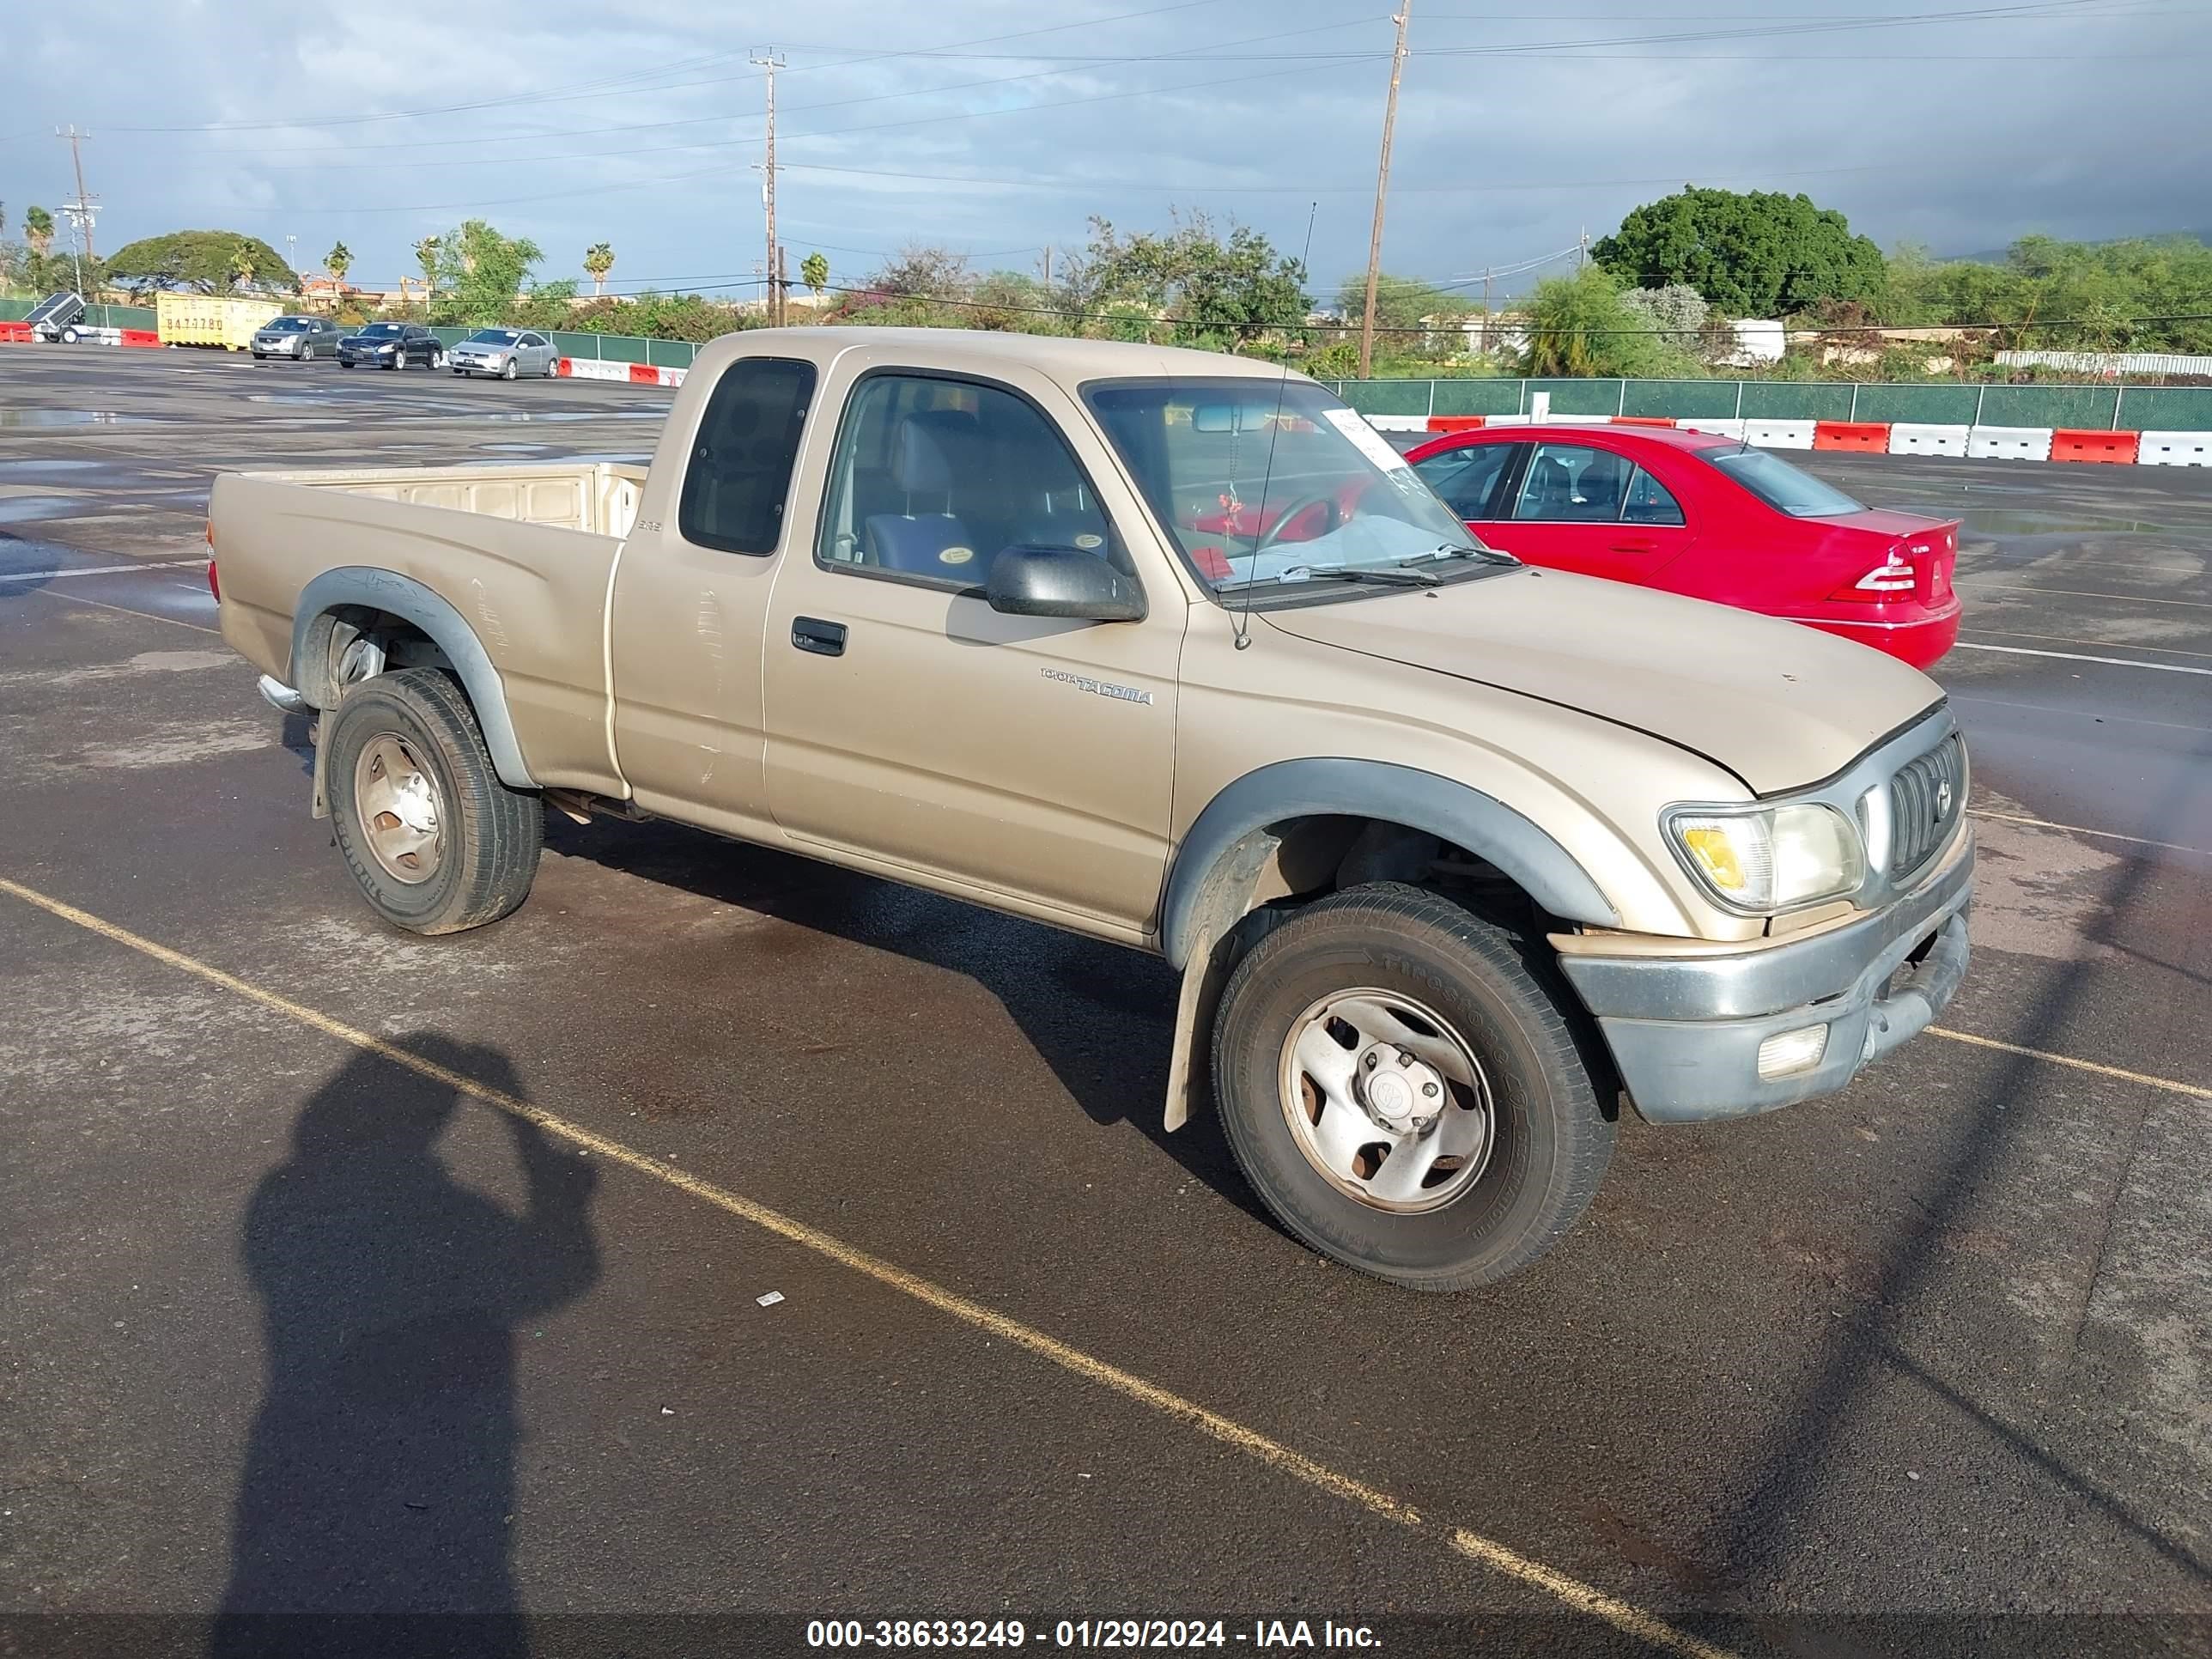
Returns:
(997, 127)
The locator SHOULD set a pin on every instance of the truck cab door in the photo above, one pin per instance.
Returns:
(911, 726)
(690, 598)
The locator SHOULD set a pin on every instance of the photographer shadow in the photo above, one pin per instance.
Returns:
(375, 1505)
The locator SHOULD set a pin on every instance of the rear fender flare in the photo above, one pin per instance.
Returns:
(363, 585)
(1420, 800)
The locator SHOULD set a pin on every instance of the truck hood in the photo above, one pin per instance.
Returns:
(1778, 705)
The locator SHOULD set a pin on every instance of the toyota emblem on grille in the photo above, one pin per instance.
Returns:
(1943, 800)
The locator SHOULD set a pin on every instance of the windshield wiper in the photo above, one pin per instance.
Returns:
(1486, 555)
(1388, 575)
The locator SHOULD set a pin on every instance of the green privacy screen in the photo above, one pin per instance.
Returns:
(2125, 408)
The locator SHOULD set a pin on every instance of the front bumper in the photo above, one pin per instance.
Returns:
(475, 364)
(284, 348)
(367, 357)
(1686, 1030)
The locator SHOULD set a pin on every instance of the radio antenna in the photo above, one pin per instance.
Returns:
(1243, 622)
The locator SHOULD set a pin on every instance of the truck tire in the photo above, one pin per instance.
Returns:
(1385, 1023)
(437, 843)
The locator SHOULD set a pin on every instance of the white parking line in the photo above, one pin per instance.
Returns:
(96, 570)
(2076, 656)
(2076, 830)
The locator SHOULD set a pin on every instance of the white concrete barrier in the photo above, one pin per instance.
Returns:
(1922, 438)
(1780, 435)
(1399, 422)
(2009, 443)
(2174, 449)
(1719, 428)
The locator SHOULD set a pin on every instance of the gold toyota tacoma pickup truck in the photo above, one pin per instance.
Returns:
(1169, 649)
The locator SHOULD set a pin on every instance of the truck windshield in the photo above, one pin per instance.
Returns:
(1782, 486)
(1261, 481)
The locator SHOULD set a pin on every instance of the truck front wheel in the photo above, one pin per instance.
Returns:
(1405, 1093)
(437, 842)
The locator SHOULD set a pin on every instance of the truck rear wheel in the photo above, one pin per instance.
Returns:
(437, 842)
(1405, 1093)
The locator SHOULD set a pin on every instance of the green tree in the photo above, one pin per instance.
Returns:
(920, 270)
(814, 272)
(1417, 319)
(1760, 254)
(1221, 290)
(338, 262)
(599, 260)
(38, 229)
(199, 261)
(483, 272)
(427, 252)
(1579, 325)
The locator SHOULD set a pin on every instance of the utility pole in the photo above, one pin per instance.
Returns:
(1047, 264)
(1381, 189)
(1486, 308)
(771, 60)
(83, 201)
(1582, 250)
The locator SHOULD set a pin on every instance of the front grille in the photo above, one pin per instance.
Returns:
(1925, 798)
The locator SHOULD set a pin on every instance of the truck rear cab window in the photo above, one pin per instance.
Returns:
(739, 475)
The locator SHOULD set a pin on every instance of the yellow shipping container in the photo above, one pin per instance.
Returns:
(209, 319)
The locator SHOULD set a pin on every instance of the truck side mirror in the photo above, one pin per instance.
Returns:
(1062, 581)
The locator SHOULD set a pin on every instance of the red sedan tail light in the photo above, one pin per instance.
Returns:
(1917, 565)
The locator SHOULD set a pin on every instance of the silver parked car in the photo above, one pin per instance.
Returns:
(304, 338)
(509, 353)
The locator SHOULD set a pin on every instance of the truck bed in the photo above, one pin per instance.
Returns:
(523, 552)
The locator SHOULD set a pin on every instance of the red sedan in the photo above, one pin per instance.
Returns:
(1708, 517)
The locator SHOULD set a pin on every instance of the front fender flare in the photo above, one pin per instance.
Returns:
(369, 588)
(1420, 800)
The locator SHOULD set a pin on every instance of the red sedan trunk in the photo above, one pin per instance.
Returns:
(1709, 518)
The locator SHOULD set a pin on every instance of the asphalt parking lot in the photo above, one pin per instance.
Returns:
(348, 1272)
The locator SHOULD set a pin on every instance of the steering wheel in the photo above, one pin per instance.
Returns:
(1268, 536)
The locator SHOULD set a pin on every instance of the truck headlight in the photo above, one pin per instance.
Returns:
(1770, 857)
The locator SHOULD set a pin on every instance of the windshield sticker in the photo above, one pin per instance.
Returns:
(1365, 439)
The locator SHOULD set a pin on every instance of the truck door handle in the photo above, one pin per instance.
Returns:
(824, 639)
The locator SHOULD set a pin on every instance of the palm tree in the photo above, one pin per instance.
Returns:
(38, 229)
(338, 262)
(814, 272)
(599, 260)
(241, 266)
(426, 255)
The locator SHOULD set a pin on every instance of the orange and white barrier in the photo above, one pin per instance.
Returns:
(1989, 443)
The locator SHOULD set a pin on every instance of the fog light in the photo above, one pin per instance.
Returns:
(1792, 1052)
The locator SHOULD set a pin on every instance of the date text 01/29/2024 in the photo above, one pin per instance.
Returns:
(1085, 1633)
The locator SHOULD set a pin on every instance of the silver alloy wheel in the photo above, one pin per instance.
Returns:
(1387, 1101)
(512, 369)
(401, 809)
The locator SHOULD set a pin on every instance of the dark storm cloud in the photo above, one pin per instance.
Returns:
(639, 124)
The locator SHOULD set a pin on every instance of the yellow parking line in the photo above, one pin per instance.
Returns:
(2125, 1076)
(1572, 1592)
